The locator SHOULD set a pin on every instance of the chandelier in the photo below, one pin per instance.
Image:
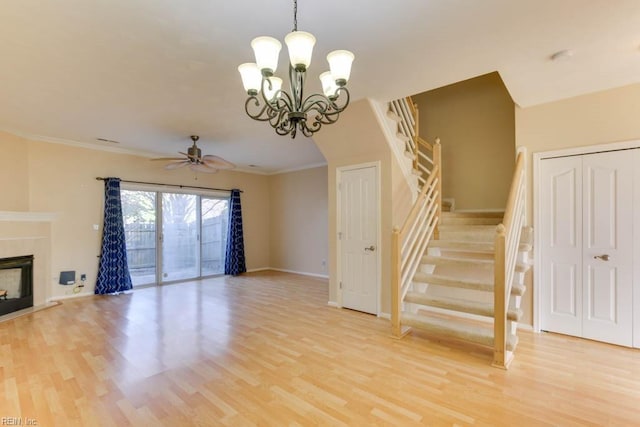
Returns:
(290, 112)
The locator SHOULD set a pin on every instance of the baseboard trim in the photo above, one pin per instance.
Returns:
(525, 327)
(303, 273)
(333, 304)
(72, 296)
(383, 315)
(256, 270)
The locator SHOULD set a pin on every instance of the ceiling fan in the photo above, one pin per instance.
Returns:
(196, 161)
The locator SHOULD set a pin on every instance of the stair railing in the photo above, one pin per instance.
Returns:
(410, 242)
(507, 241)
(423, 154)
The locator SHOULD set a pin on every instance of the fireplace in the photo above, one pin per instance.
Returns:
(16, 283)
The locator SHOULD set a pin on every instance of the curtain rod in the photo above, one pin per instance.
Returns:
(99, 178)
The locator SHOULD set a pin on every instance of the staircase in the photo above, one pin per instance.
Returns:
(452, 293)
(459, 275)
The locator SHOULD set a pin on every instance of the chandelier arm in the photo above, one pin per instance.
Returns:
(306, 131)
(278, 118)
(316, 102)
(264, 112)
(283, 103)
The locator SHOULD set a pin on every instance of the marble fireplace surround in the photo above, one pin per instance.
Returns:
(29, 233)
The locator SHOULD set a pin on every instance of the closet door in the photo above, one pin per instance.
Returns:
(587, 246)
(561, 245)
(608, 247)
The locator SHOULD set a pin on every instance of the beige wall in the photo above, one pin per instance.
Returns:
(299, 221)
(475, 122)
(60, 178)
(355, 139)
(14, 173)
(598, 118)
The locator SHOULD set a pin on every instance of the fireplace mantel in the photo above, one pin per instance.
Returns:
(17, 216)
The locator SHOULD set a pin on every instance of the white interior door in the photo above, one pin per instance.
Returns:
(587, 246)
(358, 234)
(561, 245)
(608, 247)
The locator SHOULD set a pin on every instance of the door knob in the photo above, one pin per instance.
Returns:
(370, 248)
(604, 257)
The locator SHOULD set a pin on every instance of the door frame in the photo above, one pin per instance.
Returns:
(339, 171)
(537, 177)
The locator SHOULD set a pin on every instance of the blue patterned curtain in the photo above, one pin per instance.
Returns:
(113, 273)
(234, 262)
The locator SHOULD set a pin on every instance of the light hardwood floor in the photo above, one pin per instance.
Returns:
(265, 349)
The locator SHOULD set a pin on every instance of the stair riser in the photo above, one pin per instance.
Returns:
(470, 265)
(461, 284)
(440, 328)
(469, 236)
(458, 214)
(485, 310)
(469, 221)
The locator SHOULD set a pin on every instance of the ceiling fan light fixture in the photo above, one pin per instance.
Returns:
(196, 161)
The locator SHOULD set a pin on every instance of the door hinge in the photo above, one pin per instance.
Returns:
(340, 285)
(339, 235)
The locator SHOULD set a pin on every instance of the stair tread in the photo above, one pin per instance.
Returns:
(470, 214)
(446, 327)
(470, 246)
(435, 279)
(460, 305)
(436, 260)
(468, 227)
(470, 220)
(517, 289)
(521, 267)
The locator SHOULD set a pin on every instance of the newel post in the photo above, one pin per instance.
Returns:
(396, 270)
(499, 302)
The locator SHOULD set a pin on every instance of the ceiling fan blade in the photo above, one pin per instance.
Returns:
(176, 165)
(189, 156)
(168, 158)
(202, 167)
(217, 162)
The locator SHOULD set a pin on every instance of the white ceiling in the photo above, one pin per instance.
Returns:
(149, 73)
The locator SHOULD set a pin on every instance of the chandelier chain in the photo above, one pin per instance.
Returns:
(295, 15)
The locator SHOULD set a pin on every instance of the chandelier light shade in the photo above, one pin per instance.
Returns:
(290, 112)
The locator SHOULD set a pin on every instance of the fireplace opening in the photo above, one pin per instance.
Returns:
(16, 283)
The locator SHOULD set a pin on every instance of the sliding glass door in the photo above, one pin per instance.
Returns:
(140, 223)
(179, 237)
(215, 216)
(174, 236)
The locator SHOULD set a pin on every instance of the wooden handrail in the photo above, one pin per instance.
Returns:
(412, 106)
(506, 248)
(424, 143)
(513, 190)
(410, 241)
(416, 207)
